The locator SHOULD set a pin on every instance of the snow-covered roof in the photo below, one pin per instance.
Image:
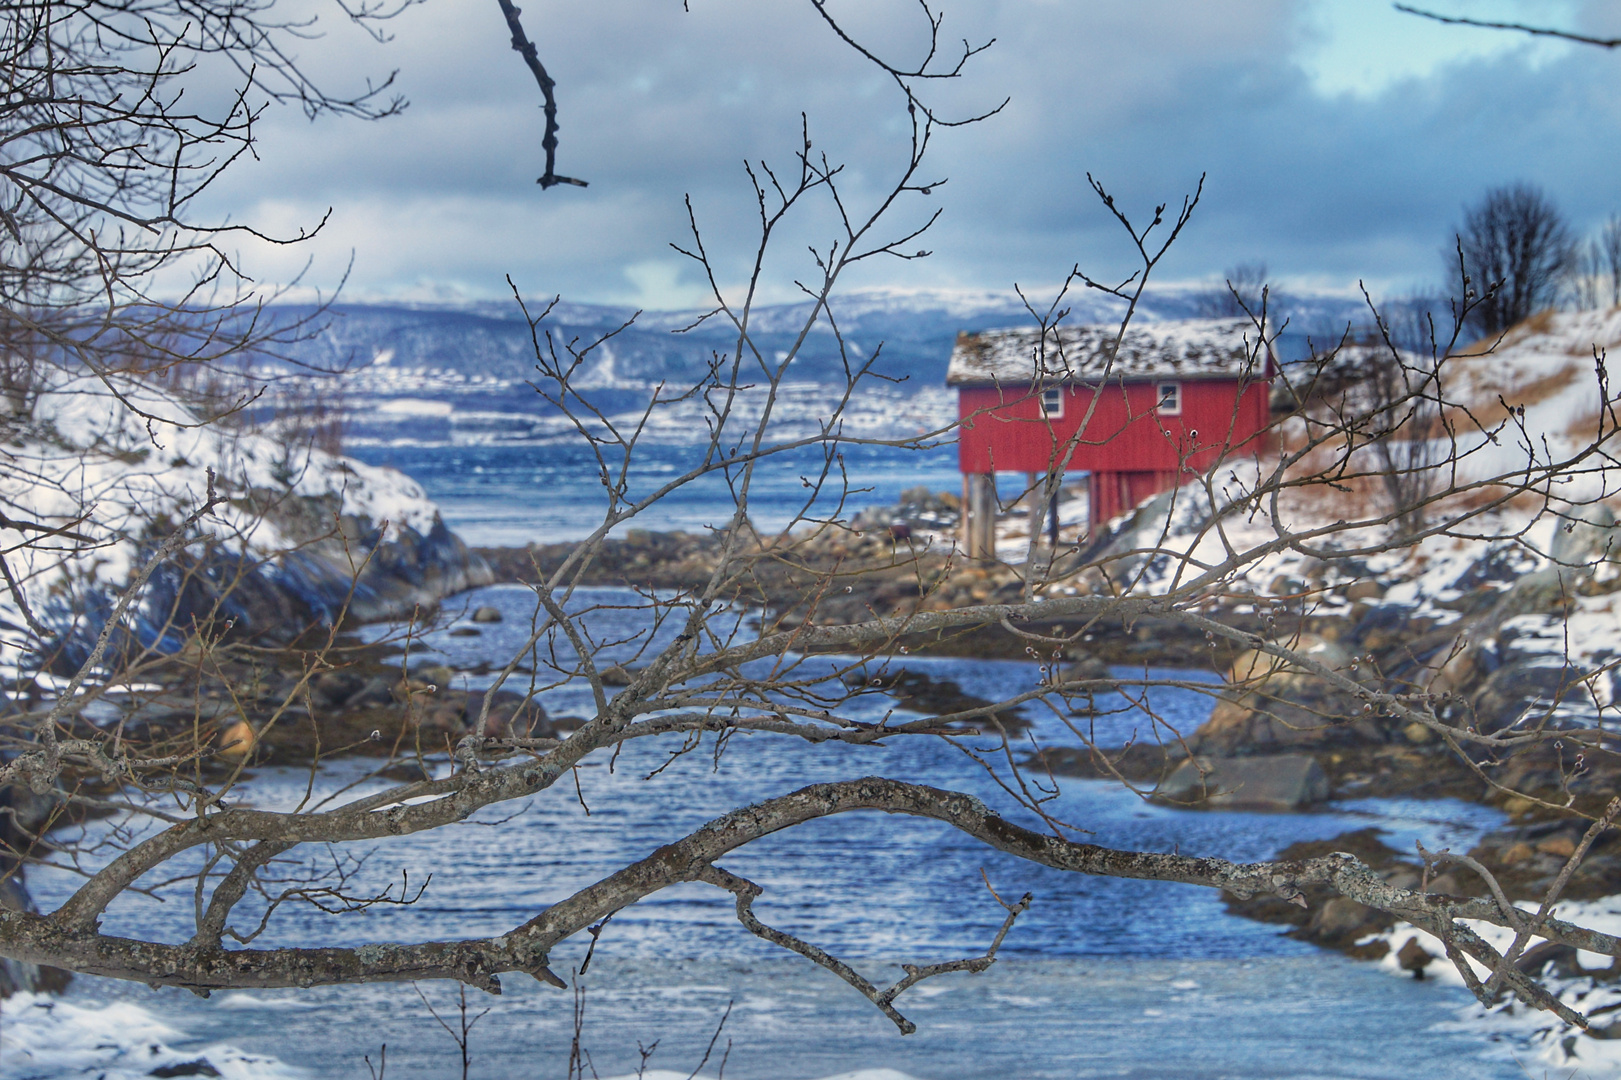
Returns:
(1188, 349)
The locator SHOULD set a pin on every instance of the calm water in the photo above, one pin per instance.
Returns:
(1100, 978)
(510, 495)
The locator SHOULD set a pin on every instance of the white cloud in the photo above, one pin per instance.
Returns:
(1314, 164)
(659, 286)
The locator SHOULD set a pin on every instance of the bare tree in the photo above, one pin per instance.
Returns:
(112, 124)
(1517, 253)
(1597, 279)
(702, 675)
(115, 118)
(1608, 244)
(1240, 295)
(102, 158)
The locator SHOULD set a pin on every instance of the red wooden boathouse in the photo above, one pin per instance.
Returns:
(1172, 401)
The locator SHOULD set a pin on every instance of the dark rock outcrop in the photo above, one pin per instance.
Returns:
(1327, 919)
(1275, 782)
(1271, 705)
(336, 569)
(917, 692)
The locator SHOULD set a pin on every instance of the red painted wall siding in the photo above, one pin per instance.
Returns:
(1114, 493)
(1124, 434)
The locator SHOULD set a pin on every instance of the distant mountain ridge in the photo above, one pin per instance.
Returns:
(916, 330)
(475, 359)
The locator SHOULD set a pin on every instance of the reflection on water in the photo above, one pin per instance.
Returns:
(1101, 977)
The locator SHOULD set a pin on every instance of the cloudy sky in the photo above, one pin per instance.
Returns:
(1339, 139)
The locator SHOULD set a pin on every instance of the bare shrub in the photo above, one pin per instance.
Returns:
(693, 671)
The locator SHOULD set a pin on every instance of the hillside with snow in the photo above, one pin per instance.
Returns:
(117, 465)
(1510, 602)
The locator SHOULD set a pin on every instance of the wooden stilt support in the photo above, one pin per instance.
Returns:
(1033, 485)
(966, 515)
(980, 515)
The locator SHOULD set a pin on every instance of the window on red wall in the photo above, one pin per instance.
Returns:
(1052, 403)
(1169, 398)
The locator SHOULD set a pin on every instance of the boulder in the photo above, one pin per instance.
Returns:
(1414, 957)
(435, 675)
(1273, 703)
(1588, 535)
(1276, 782)
(1541, 592)
(1539, 956)
(1535, 684)
(487, 614)
(199, 1067)
(1364, 591)
(237, 740)
(1256, 666)
(1417, 734)
(1341, 920)
(1080, 665)
(1562, 846)
(512, 715)
(444, 715)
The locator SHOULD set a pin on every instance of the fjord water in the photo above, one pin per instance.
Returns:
(1100, 978)
(510, 494)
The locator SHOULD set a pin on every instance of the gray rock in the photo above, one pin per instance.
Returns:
(1535, 684)
(1539, 956)
(1276, 782)
(1081, 665)
(1341, 920)
(1588, 535)
(337, 687)
(1414, 957)
(404, 574)
(1364, 590)
(1538, 593)
(437, 675)
(199, 1067)
(512, 714)
(487, 614)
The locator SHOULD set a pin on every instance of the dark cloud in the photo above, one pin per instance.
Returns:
(658, 103)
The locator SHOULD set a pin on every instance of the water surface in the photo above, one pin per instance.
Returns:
(1101, 977)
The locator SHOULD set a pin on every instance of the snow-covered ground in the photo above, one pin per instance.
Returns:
(122, 464)
(1555, 1043)
(42, 1035)
(1534, 400)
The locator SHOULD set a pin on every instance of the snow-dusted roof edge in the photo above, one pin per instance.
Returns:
(1186, 349)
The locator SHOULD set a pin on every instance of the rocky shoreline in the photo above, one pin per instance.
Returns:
(1276, 729)
(1276, 738)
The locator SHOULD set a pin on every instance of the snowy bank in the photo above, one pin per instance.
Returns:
(302, 537)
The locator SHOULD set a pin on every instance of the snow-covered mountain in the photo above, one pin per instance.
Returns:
(460, 372)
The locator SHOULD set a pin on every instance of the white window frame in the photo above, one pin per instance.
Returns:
(1052, 403)
(1175, 396)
